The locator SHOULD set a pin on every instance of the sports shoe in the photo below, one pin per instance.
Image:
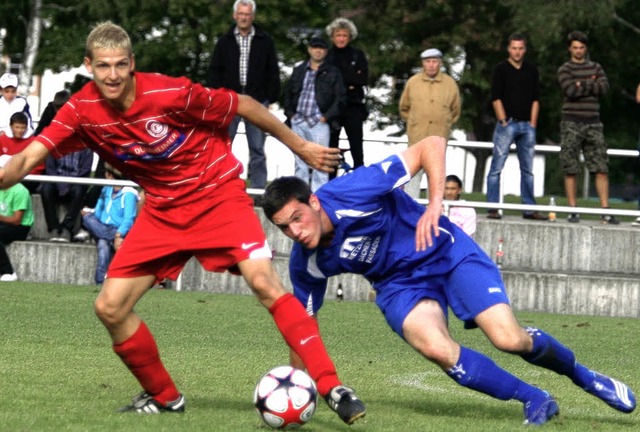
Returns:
(494, 214)
(144, 403)
(344, 401)
(61, 236)
(535, 216)
(636, 222)
(573, 218)
(81, 237)
(540, 410)
(9, 277)
(614, 393)
(609, 220)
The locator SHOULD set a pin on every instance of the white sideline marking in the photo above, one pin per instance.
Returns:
(421, 381)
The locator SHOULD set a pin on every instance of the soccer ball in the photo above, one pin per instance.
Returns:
(285, 398)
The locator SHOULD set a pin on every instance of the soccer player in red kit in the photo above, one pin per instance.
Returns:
(169, 135)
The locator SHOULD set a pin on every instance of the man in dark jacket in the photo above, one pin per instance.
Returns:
(313, 101)
(245, 60)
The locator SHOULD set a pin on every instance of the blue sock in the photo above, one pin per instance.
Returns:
(478, 372)
(548, 353)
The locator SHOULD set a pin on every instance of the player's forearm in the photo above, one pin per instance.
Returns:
(260, 116)
(14, 171)
(22, 164)
(433, 164)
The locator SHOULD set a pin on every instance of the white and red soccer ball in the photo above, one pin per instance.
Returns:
(285, 397)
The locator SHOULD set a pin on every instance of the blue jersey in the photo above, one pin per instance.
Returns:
(374, 235)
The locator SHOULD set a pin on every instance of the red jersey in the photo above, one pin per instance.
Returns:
(172, 141)
(11, 145)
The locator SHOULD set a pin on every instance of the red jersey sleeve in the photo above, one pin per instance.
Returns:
(207, 106)
(62, 135)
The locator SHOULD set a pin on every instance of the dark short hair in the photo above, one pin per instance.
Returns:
(116, 173)
(282, 190)
(517, 37)
(19, 118)
(60, 99)
(453, 178)
(579, 36)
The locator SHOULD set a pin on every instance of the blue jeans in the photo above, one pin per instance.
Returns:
(104, 235)
(257, 172)
(318, 133)
(524, 136)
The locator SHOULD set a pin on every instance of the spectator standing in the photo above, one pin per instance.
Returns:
(16, 219)
(75, 164)
(312, 103)
(11, 103)
(583, 83)
(49, 113)
(514, 93)
(464, 217)
(10, 145)
(111, 219)
(430, 105)
(245, 61)
(354, 68)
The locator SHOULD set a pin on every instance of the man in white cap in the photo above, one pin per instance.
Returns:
(11, 103)
(430, 105)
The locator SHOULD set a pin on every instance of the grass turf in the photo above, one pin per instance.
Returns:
(58, 373)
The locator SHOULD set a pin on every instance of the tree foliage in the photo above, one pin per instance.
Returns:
(176, 37)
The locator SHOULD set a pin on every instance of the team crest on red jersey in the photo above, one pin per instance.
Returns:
(164, 141)
(156, 129)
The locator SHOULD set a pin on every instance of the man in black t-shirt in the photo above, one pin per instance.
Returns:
(514, 93)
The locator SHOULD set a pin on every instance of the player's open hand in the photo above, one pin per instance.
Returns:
(428, 226)
(322, 158)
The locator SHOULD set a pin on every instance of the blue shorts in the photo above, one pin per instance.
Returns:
(471, 286)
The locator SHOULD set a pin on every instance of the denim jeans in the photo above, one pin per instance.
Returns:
(104, 235)
(257, 172)
(318, 133)
(524, 136)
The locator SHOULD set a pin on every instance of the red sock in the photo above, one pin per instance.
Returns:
(301, 333)
(140, 354)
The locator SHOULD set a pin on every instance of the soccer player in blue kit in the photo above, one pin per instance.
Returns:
(420, 264)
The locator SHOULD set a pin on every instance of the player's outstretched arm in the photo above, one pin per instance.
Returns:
(22, 163)
(319, 157)
(429, 155)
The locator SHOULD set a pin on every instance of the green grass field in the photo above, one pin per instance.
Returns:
(58, 372)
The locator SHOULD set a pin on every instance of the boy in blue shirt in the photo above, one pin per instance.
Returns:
(420, 264)
(111, 220)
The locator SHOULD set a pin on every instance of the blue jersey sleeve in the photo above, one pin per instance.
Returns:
(309, 284)
(367, 184)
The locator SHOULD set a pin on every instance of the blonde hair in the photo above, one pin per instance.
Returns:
(107, 35)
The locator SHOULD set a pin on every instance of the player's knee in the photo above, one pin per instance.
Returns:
(107, 312)
(444, 352)
(265, 285)
(515, 342)
(438, 356)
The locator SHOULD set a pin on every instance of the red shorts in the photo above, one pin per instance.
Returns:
(220, 231)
